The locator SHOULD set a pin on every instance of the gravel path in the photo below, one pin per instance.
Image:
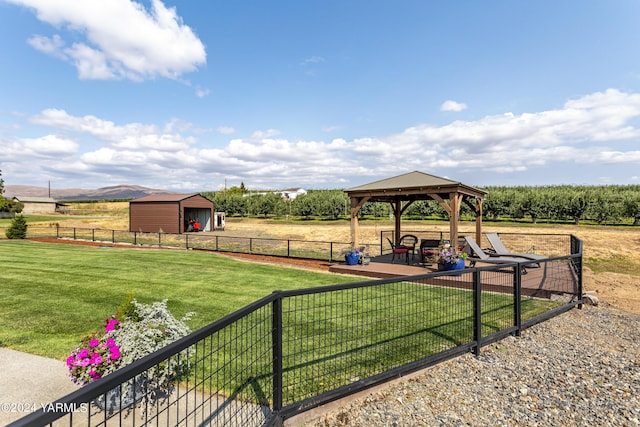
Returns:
(579, 369)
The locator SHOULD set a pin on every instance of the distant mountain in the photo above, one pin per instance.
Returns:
(113, 192)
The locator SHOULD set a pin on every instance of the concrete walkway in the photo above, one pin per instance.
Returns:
(28, 381)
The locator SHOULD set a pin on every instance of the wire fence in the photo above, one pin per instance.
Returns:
(290, 248)
(295, 350)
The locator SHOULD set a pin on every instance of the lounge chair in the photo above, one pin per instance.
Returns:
(501, 250)
(476, 254)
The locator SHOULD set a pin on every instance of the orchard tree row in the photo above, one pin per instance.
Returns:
(600, 204)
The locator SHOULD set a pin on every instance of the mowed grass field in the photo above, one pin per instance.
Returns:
(52, 295)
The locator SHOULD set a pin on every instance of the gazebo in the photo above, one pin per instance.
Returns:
(414, 186)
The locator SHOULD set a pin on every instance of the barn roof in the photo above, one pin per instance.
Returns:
(28, 199)
(165, 197)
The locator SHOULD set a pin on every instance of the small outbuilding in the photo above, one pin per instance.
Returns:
(38, 205)
(170, 213)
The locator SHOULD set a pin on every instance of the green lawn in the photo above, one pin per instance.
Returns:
(52, 295)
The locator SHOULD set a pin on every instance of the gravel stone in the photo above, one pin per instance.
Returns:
(581, 368)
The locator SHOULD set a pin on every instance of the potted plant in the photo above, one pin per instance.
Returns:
(135, 331)
(354, 255)
(449, 258)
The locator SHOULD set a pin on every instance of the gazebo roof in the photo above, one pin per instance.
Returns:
(413, 186)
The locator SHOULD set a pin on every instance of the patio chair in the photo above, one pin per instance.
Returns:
(409, 241)
(398, 250)
(501, 250)
(477, 254)
(429, 250)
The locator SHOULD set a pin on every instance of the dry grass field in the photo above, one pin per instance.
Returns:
(612, 254)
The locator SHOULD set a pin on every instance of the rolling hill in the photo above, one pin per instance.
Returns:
(105, 193)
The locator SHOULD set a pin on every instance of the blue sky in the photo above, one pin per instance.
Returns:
(190, 95)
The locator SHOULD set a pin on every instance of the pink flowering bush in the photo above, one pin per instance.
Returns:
(136, 331)
(94, 357)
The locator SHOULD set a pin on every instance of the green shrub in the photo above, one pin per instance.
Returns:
(18, 228)
(127, 310)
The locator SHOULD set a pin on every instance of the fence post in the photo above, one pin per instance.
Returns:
(330, 251)
(113, 236)
(277, 351)
(576, 251)
(250, 245)
(159, 239)
(57, 231)
(186, 241)
(135, 238)
(93, 234)
(74, 233)
(288, 248)
(477, 311)
(517, 291)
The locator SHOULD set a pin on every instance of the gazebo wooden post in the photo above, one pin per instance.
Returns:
(356, 204)
(397, 213)
(355, 233)
(478, 211)
(453, 219)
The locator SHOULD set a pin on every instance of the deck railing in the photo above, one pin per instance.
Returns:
(295, 350)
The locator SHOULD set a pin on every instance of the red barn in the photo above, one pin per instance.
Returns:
(170, 213)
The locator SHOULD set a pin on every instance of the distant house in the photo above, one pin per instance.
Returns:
(38, 205)
(170, 213)
(288, 194)
(292, 193)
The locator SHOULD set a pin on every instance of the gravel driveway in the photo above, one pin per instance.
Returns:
(579, 369)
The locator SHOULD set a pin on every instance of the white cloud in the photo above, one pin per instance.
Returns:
(122, 39)
(453, 106)
(202, 93)
(260, 134)
(225, 130)
(313, 60)
(130, 136)
(49, 45)
(44, 147)
(329, 129)
(586, 133)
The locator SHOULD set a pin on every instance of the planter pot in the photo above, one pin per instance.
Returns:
(448, 266)
(352, 258)
(121, 397)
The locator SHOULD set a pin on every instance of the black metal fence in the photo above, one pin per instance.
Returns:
(547, 244)
(294, 350)
(542, 244)
(291, 248)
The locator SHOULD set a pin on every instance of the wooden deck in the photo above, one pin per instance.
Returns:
(550, 278)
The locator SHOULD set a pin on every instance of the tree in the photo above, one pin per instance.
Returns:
(7, 205)
(631, 205)
(265, 204)
(303, 206)
(18, 228)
